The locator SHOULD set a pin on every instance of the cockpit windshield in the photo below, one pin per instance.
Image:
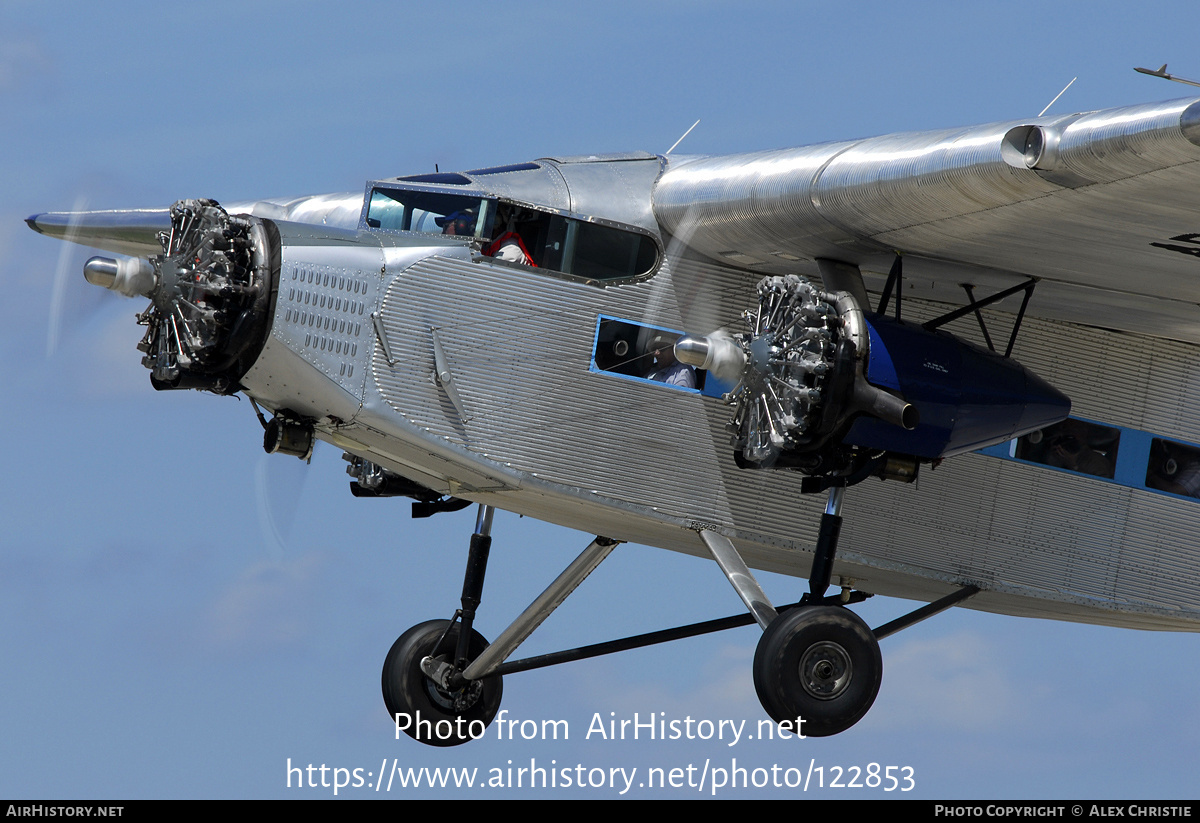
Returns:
(430, 213)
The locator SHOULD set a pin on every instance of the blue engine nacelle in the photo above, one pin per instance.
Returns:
(823, 388)
(967, 397)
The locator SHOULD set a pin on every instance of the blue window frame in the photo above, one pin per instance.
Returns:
(626, 349)
(1119, 455)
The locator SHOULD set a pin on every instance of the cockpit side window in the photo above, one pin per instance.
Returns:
(587, 249)
(430, 213)
(597, 251)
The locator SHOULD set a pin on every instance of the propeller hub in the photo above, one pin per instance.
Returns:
(130, 276)
(720, 355)
(798, 374)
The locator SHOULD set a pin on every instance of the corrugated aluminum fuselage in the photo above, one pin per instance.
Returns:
(476, 378)
(536, 430)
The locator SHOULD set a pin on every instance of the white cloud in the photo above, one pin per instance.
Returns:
(955, 682)
(21, 58)
(269, 606)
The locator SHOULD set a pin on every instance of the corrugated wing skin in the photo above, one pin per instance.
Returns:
(1095, 217)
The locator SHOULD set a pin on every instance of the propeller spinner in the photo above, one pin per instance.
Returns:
(210, 291)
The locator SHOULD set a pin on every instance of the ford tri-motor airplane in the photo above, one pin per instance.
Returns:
(705, 353)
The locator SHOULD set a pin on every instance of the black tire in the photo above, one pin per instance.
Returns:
(425, 712)
(819, 663)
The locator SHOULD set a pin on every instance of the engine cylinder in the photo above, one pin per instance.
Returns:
(212, 297)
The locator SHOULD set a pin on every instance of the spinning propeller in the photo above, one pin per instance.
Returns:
(799, 374)
(205, 273)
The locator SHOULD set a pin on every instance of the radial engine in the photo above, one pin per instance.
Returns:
(211, 293)
(826, 389)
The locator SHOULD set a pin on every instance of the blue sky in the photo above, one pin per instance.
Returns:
(160, 638)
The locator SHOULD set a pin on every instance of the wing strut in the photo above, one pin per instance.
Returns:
(895, 280)
(976, 305)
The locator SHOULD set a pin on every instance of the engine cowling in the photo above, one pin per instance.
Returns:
(969, 397)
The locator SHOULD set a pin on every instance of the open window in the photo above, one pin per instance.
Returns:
(591, 250)
(430, 212)
(644, 353)
(588, 249)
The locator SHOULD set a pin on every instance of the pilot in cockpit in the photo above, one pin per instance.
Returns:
(507, 244)
(459, 223)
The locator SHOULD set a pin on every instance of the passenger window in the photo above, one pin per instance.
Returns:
(644, 352)
(1074, 445)
(1173, 468)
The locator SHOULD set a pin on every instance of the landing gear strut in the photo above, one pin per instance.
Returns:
(449, 673)
(817, 667)
(423, 684)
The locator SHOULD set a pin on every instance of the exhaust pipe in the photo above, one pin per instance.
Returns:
(887, 407)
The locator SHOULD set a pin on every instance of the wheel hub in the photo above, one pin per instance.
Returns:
(455, 702)
(825, 670)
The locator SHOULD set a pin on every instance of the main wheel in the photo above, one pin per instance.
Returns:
(819, 663)
(421, 709)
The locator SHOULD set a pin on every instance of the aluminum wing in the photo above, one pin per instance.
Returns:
(135, 231)
(1103, 207)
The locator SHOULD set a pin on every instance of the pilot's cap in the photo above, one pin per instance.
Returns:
(454, 217)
